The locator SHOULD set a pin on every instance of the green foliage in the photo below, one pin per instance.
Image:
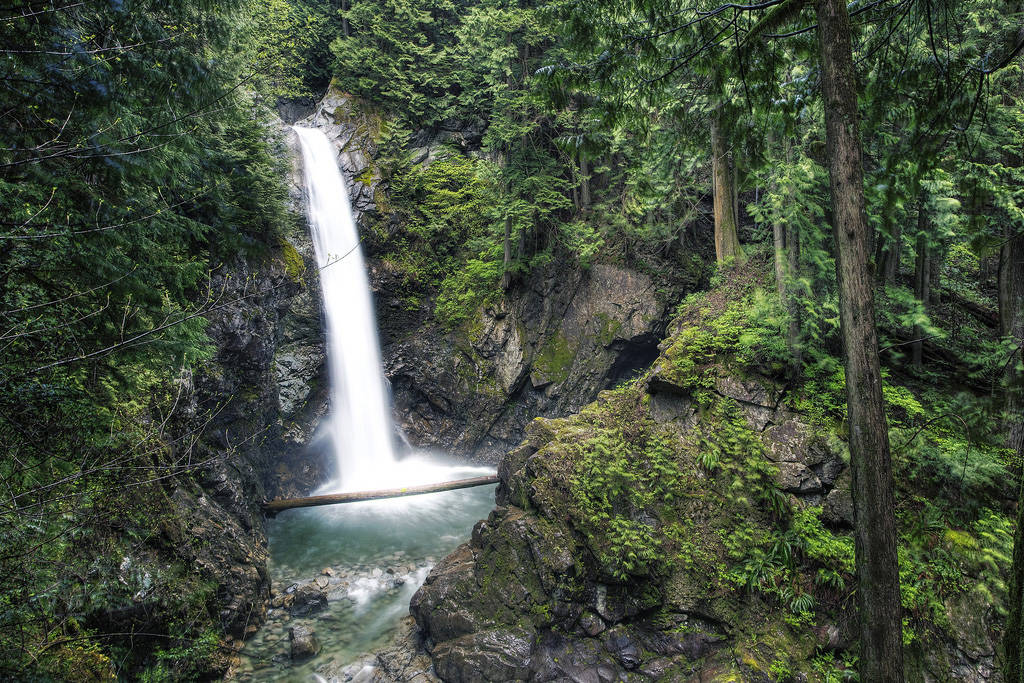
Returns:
(744, 335)
(397, 55)
(288, 44)
(618, 479)
(138, 165)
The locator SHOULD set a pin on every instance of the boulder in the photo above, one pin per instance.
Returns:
(307, 599)
(303, 642)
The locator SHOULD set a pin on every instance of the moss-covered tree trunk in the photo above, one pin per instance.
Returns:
(727, 242)
(878, 584)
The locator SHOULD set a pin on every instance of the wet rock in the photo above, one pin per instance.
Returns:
(322, 582)
(497, 655)
(625, 651)
(591, 624)
(303, 642)
(838, 507)
(795, 477)
(307, 599)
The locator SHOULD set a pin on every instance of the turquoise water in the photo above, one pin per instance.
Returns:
(378, 553)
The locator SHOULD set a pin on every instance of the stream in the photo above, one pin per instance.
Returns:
(379, 553)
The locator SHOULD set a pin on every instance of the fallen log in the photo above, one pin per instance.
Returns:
(272, 507)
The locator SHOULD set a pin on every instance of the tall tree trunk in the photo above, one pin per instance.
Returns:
(937, 259)
(735, 193)
(922, 282)
(781, 262)
(345, 31)
(727, 242)
(506, 276)
(584, 183)
(889, 267)
(792, 304)
(1011, 323)
(878, 578)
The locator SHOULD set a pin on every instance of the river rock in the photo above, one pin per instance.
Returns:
(308, 599)
(303, 641)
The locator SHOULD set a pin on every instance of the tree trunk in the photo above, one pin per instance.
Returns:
(922, 281)
(727, 243)
(890, 265)
(792, 304)
(506, 276)
(878, 579)
(735, 193)
(1013, 640)
(779, 244)
(936, 257)
(274, 506)
(1011, 323)
(922, 289)
(584, 183)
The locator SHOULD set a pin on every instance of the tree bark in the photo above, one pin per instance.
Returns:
(506, 275)
(878, 579)
(890, 266)
(922, 281)
(1011, 324)
(584, 183)
(781, 261)
(727, 243)
(792, 304)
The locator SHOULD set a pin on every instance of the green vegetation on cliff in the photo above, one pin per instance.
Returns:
(709, 504)
(135, 164)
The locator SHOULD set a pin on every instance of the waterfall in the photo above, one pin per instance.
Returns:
(359, 425)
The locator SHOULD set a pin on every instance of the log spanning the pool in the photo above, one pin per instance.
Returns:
(274, 506)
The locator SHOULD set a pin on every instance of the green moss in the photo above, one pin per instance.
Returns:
(607, 328)
(366, 177)
(554, 359)
(294, 265)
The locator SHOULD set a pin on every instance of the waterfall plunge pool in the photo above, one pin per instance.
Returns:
(379, 553)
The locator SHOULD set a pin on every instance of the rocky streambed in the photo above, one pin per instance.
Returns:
(343, 577)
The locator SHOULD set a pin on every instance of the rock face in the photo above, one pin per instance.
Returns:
(246, 416)
(675, 529)
(547, 349)
(551, 344)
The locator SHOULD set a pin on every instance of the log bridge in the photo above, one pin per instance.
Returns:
(272, 507)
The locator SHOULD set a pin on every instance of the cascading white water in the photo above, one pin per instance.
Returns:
(360, 425)
(374, 542)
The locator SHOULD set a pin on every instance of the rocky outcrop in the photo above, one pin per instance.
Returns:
(676, 529)
(546, 350)
(242, 421)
